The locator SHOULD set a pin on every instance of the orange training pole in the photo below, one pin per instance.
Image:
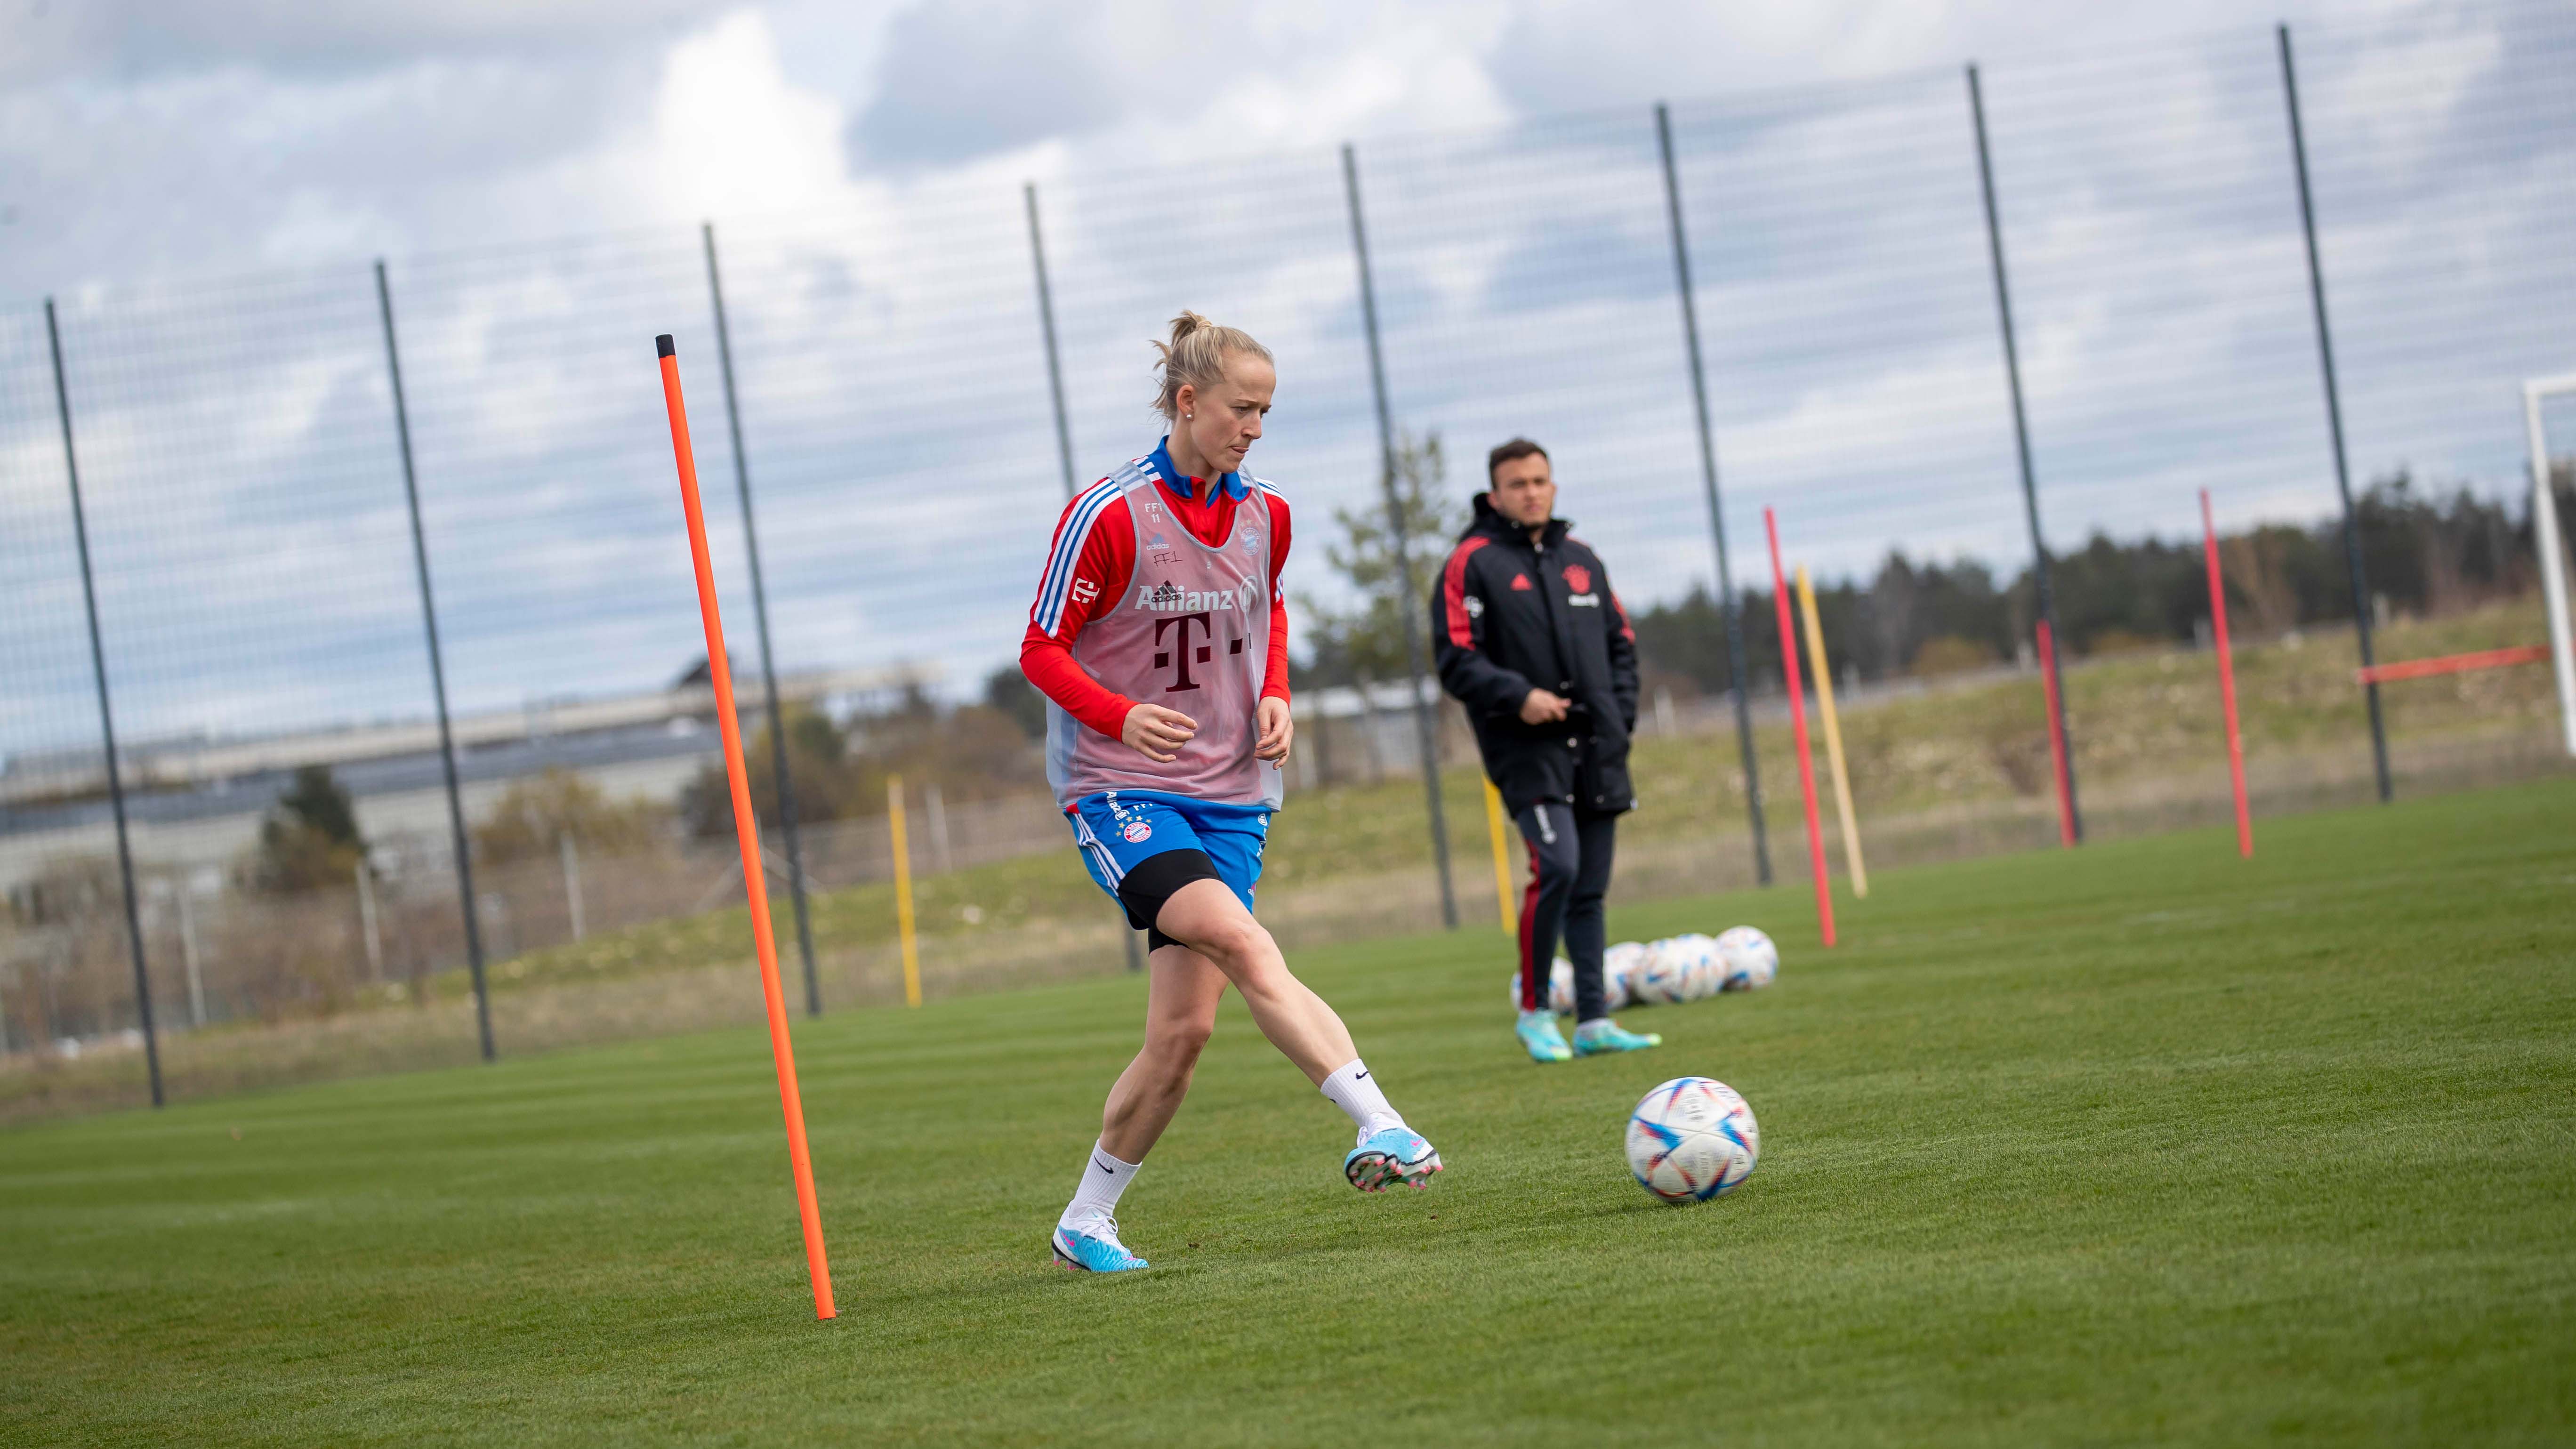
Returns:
(2226, 678)
(1798, 731)
(746, 829)
(2056, 737)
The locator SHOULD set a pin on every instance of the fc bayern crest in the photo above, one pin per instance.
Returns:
(1137, 832)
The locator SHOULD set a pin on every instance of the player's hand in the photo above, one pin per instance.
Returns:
(1542, 707)
(1277, 730)
(1157, 733)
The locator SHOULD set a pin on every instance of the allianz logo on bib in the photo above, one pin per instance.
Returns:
(1167, 598)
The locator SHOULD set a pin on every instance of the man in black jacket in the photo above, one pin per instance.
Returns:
(1535, 645)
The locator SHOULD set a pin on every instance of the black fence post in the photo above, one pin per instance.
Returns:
(1046, 328)
(1063, 435)
(1716, 514)
(2021, 444)
(106, 718)
(437, 675)
(760, 614)
(2361, 603)
(1409, 606)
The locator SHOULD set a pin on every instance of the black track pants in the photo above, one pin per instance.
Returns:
(1570, 856)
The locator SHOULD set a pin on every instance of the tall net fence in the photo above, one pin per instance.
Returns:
(882, 396)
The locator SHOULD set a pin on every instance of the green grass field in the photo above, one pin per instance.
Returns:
(2138, 1144)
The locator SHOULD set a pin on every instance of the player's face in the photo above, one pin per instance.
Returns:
(1224, 420)
(1524, 491)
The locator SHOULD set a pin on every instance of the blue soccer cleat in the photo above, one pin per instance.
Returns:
(1388, 1156)
(1094, 1248)
(1596, 1038)
(1537, 1031)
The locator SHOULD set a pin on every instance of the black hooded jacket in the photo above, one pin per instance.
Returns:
(1510, 616)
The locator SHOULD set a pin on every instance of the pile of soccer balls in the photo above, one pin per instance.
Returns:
(1670, 971)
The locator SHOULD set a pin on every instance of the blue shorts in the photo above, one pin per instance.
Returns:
(1119, 829)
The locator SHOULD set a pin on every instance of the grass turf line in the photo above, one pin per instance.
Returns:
(2132, 1144)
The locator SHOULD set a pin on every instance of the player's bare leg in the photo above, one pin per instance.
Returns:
(1181, 993)
(1208, 917)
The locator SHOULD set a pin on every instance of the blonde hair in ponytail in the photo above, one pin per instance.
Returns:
(1196, 355)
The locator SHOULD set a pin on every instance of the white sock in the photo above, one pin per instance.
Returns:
(1541, 1015)
(1596, 1024)
(1103, 1178)
(1356, 1092)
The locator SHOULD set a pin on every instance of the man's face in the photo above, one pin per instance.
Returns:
(1524, 490)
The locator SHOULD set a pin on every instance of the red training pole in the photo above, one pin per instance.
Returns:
(2451, 664)
(746, 829)
(2226, 678)
(2056, 737)
(1798, 731)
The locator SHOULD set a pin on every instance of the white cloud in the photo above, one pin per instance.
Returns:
(732, 134)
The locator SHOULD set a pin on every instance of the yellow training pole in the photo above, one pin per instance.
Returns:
(1833, 733)
(903, 892)
(1502, 860)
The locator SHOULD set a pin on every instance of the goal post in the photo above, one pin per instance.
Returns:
(2552, 549)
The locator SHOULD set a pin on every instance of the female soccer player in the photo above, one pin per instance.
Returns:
(1160, 640)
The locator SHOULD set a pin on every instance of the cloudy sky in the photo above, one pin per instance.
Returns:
(204, 186)
(148, 138)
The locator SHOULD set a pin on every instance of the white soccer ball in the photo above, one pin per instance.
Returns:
(1751, 961)
(1560, 987)
(1703, 970)
(1692, 1139)
(1619, 966)
(1664, 976)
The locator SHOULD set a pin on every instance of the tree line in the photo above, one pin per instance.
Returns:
(2424, 554)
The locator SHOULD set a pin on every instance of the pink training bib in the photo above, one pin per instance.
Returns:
(1193, 634)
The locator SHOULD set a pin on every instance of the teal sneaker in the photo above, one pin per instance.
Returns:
(1389, 1156)
(1094, 1248)
(1597, 1038)
(1537, 1031)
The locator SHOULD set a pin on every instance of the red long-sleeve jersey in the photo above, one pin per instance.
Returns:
(1094, 559)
